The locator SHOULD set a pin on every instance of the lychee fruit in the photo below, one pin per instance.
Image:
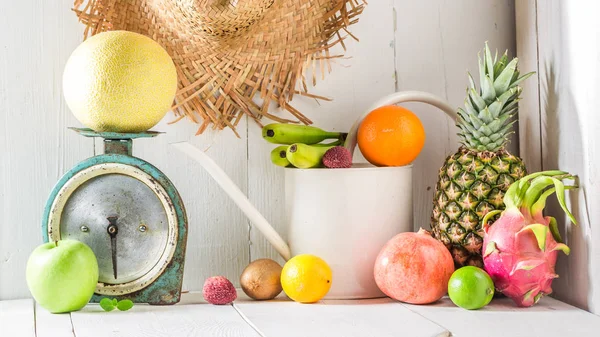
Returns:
(337, 157)
(218, 290)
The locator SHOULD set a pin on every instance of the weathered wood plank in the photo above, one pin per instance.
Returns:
(361, 318)
(569, 45)
(52, 325)
(502, 318)
(17, 318)
(183, 320)
(435, 47)
(282, 317)
(529, 106)
(36, 147)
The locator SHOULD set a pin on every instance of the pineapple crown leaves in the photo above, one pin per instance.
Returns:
(486, 120)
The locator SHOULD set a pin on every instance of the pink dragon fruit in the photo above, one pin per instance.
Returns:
(521, 247)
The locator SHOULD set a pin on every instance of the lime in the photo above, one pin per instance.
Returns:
(306, 278)
(471, 288)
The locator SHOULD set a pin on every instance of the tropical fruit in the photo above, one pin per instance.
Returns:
(472, 181)
(337, 157)
(261, 279)
(218, 290)
(288, 134)
(391, 136)
(470, 288)
(279, 156)
(306, 278)
(521, 247)
(413, 268)
(302, 147)
(306, 156)
(119, 81)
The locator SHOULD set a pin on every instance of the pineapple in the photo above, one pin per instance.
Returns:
(472, 182)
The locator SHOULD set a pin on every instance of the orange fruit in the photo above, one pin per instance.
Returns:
(391, 136)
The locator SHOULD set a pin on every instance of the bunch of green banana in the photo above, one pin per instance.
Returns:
(302, 144)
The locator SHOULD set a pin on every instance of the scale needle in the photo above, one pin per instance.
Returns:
(113, 248)
(112, 230)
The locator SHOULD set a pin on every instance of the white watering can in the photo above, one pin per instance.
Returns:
(343, 216)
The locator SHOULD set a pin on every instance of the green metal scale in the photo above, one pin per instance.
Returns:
(130, 214)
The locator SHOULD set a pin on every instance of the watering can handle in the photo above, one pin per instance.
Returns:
(237, 196)
(395, 98)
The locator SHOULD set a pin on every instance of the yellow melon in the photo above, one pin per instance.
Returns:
(119, 81)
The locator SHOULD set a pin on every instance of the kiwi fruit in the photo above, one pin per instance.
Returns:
(261, 279)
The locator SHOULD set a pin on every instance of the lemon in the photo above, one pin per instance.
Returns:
(306, 278)
(119, 81)
(470, 288)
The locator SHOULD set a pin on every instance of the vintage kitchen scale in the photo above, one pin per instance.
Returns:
(130, 214)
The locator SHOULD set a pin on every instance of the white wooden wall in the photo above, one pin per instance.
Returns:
(560, 121)
(405, 44)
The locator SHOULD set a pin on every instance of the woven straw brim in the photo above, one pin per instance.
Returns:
(233, 57)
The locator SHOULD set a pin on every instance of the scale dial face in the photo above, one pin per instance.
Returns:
(125, 216)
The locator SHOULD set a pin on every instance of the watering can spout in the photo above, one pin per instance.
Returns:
(237, 196)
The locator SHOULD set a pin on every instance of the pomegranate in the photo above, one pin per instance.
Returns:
(414, 268)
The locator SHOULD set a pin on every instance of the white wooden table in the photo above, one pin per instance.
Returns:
(281, 317)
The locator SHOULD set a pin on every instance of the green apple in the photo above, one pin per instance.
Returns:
(62, 275)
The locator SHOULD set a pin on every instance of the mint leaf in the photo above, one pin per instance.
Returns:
(125, 305)
(107, 304)
(114, 302)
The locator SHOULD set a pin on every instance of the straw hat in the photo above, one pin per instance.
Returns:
(231, 54)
